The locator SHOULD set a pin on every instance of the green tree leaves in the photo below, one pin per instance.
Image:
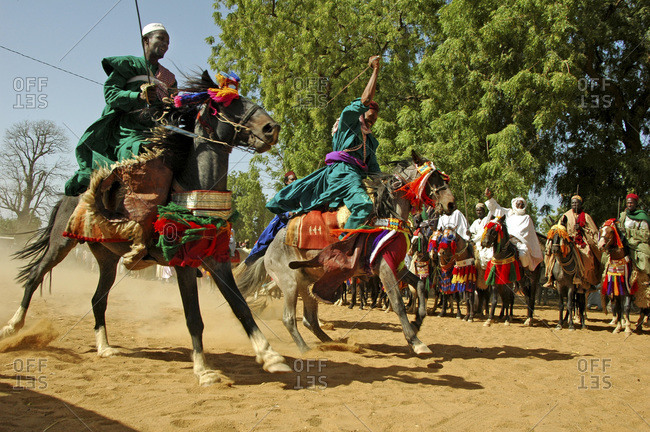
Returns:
(516, 94)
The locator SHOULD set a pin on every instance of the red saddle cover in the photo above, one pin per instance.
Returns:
(312, 230)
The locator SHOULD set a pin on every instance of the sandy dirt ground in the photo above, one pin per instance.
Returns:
(478, 378)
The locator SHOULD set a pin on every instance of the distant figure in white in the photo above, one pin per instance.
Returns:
(520, 226)
(476, 232)
(455, 221)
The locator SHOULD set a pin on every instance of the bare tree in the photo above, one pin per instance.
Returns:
(31, 168)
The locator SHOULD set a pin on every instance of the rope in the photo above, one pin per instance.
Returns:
(50, 65)
(347, 85)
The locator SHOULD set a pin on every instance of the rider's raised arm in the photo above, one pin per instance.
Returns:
(369, 92)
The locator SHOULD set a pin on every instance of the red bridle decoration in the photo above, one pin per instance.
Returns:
(612, 223)
(415, 190)
(498, 229)
(448, 242)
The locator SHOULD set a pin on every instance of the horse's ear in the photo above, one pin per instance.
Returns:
(563, 221)
(416, 158)
(206, 77)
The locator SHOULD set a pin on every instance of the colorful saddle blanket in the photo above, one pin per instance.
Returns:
(312, 230)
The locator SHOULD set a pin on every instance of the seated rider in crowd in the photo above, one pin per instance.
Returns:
(521, 227)
(583, 231)
(455, 221)
(476, 232)
(637, 231)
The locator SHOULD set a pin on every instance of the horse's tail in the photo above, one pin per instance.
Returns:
(250, 276)
(36, 247)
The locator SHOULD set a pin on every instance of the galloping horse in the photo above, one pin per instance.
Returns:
(294, 280)
(456, 258)
(618, 271)
(504, 272)
(202, 165)
(565, 271)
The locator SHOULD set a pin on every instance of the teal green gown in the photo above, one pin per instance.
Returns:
(120, 131)
(339, 183)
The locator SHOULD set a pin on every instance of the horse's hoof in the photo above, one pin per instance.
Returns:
(7, 331)
(617, 330)
(421, 349)
(278, 368)
(507, 323)
(208, 377)
(614, 321)
(571, 328)
(487, 323)
(528, 322)
(470, 319)
(584, 327)
(628, 330)
(275, 363)
(108, 352)
(558, 327)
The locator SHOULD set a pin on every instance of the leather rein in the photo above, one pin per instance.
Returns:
(237, 126)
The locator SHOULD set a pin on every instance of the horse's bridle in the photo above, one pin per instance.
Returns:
(454, 257)
(237, 125)
(401, 180)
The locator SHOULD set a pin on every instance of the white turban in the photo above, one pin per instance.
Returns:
(152, 28)
(516, 210)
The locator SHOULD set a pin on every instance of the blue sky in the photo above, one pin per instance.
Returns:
(47, 30)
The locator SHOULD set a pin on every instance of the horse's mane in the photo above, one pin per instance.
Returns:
(176, 146)
(198, 82)
(384, 204)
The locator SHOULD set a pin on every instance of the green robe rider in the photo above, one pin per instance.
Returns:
(340, 182)
(120, 131)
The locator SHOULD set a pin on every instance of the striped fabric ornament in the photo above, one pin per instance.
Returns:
(502, 272)
(464, 276)
(617, 278)
(445, 281)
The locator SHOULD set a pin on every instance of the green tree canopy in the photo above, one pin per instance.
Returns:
(515, 94)
(249, 201)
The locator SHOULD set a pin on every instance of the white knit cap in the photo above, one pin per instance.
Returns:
(152, 28)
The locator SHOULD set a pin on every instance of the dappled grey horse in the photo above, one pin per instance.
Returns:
(295, 281)
(202, 164)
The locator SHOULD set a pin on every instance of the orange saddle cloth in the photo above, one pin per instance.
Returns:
(312, 230)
